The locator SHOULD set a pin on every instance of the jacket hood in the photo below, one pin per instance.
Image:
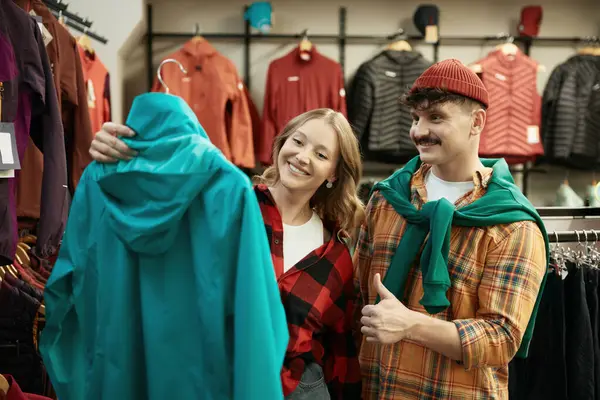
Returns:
(403, 57)
(146, 197)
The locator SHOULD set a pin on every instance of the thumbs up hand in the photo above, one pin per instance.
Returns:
(389, 321)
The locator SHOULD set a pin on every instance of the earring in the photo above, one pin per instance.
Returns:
(329, 185)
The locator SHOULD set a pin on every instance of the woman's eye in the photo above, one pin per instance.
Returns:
(322, 156)
(297, 142)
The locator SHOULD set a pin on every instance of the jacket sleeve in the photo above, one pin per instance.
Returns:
(82, 125)
(339, 93)
(61, 342)
(240, 137)
(514, 272)
(549, 101)
(342, 369)
(360, 102)
(269, 127)
(261, 333)
(47, 134)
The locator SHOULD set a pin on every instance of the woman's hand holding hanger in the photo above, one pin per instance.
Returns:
(108, 148)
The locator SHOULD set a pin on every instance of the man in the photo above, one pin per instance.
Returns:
(462, 252)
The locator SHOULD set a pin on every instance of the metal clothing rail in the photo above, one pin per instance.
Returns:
(342, 39)
(73, 20)
(574, 236)
(62, 7)
(81, 29)
(565, 212)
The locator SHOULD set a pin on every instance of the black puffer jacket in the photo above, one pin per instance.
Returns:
(381, 123)
(571, 113)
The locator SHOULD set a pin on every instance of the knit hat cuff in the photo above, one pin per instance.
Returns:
(457, 86)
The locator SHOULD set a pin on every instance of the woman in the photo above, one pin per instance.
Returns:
(309, 203)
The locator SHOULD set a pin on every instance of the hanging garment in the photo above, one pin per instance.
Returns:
(97, 82)
(18, 353)
(214, 90)
(297, 83)
(567, 197)
(571, 113)
(71, 93)
(513, 119)
(15, 392)
(382, 124)
(29, 101)
(543, 374)
(164, 285)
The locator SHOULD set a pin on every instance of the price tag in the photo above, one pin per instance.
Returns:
(533, 134)
(431, 34)
(9, 156)
(9, 173)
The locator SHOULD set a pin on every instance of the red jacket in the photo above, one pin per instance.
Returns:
(15, 392)
(214, 91)
(512, 129)
(97, 82)
(319, 298)
(294, 86)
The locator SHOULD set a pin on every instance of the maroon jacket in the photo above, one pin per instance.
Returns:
(29, 101)
(294, 86)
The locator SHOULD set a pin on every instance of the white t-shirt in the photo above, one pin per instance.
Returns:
(300, 240)
(451, 191)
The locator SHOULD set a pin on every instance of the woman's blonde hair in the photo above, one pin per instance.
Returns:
(340, 204)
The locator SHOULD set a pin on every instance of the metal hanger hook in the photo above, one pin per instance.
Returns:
(168, 60)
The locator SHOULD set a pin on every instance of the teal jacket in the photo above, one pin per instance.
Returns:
(164, 286)
(503, 203)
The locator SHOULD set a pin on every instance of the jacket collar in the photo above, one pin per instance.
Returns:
(331, 226)
(199, 48)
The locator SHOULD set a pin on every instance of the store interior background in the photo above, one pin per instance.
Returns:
(123, 23)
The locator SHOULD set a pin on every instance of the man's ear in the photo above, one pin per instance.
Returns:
(478, 119)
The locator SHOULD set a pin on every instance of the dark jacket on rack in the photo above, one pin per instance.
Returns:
(72, 99)
(512, 127)
(29, 101)
(571, 113)
(296, 85)
(380, 121)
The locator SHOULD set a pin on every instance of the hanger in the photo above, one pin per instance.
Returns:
(305, 44)
(4, 386)
(85, 42)
(62, 19)
(509, 47)
(158, 72)
(197, 36)
(399, 42)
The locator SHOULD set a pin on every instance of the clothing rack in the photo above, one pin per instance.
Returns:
(564, 212)
(574, 236)
(342, 39)
(74, 21)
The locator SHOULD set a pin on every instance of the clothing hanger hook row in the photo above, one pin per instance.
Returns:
(169, 60)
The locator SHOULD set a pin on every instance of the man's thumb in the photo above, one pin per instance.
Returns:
(383, 292)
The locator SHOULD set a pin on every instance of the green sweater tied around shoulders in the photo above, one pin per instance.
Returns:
(503, 203)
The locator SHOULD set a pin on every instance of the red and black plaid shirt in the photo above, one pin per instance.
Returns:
(318, 296)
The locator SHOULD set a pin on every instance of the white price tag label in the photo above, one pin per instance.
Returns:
(9, 173)
(9, 156)
(533, 134)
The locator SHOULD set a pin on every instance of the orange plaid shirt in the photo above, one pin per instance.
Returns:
(496, 274)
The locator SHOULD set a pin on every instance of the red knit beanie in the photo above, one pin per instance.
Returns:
(453, 76)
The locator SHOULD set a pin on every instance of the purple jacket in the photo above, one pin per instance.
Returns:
(29, 101)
